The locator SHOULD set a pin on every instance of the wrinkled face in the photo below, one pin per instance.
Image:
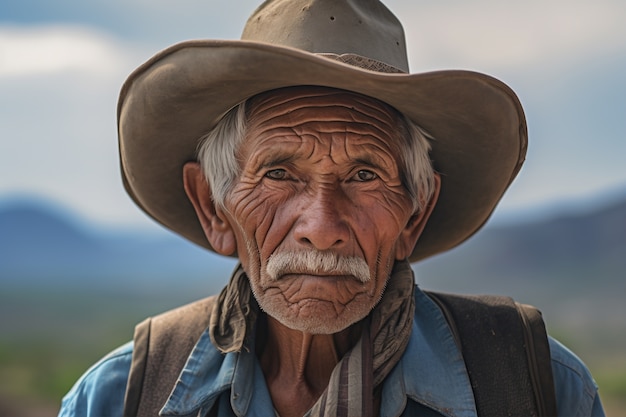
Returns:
(319, 210)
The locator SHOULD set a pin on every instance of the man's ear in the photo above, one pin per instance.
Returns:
(216, 226)
(415, 226)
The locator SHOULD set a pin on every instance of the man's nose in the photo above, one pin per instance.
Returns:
(322, 224)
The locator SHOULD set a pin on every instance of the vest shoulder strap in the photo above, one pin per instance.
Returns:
(506, 352)
(162, 345)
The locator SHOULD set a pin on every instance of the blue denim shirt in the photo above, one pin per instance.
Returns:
(430, 376)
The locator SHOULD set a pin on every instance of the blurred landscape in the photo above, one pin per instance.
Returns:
(70, 291)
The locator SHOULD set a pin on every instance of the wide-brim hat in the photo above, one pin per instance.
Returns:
(171, 101)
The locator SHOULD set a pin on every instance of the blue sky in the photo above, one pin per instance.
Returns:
(62, 64)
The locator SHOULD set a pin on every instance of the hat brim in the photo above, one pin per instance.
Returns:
(175, 98)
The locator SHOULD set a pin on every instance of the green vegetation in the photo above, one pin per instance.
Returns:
(38, 371)
(612, 383)
(50, 339)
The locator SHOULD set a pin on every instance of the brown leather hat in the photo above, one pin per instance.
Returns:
(175, 98)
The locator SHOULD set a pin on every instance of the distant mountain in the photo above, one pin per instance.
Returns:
(582, 256)
(587, 247)
(43, 246)
(572, 266)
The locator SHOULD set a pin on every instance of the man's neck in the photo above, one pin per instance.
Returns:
(297, 365)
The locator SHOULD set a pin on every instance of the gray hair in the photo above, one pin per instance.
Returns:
(217, 154)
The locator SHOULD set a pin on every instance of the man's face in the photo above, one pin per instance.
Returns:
(320, 183)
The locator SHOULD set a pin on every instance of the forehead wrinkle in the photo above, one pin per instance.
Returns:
(293, 100)
(358, 134)
(305, 120)
(283, 110)
(366, 149)
(379, 110)
(373, 152)
(334, 113)
(321, 96)
(279, 147)
(293, 106)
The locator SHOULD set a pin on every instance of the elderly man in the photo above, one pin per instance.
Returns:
(305, 150)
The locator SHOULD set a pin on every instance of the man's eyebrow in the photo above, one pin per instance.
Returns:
(370, 160)
(366, 160)
(276, 158)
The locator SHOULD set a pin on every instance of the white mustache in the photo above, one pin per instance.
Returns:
(316, 263)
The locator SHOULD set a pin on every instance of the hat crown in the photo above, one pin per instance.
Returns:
(366, 28)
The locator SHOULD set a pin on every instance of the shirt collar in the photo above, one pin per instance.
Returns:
(208, 373)
(431, 372)
(205, 376)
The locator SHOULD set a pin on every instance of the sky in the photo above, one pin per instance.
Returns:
(62, 64)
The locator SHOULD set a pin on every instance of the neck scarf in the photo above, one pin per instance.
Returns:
(361, 370)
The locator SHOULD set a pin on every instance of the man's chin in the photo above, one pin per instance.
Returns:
(314, 320)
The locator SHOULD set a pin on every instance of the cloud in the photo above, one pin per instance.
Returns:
(37, 51)
(58, 89)
(513, 36)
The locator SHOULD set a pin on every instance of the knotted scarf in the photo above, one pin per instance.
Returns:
(350, 391)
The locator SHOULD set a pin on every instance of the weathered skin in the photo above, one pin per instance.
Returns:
(319, 173)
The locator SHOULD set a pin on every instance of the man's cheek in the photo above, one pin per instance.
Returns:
(266, 231)
(256, 204)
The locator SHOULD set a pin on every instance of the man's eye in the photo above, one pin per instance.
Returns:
(365, 175)
(276, 174)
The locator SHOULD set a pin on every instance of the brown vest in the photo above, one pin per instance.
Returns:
(504, 345)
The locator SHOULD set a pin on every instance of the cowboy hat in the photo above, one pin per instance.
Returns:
(171, 101)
